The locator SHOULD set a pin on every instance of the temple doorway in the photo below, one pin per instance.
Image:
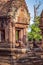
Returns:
(19, 36)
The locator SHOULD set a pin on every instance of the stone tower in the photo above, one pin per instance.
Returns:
(14, 21)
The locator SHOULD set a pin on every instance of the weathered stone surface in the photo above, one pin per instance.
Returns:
(14, 16)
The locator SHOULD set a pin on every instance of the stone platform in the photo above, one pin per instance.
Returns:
(17, 58)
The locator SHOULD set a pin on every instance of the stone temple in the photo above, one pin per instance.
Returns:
(14, 21)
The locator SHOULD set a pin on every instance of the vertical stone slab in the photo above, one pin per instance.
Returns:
(22, 35)
(10, 34)
(14, 41)
(24, 31)
(6, 34)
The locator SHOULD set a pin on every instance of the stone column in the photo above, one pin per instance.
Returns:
(25, 37)
(10, 34)
(6, 34)
(14, 41)
(24, 31)
(21, 36)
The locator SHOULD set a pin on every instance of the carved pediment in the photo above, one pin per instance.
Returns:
(22, 16)
(16, 9)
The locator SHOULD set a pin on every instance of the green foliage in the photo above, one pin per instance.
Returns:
(35, 30)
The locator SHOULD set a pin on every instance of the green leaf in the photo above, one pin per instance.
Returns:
(35, 30)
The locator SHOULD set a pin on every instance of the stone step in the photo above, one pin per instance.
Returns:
(9, 57)
(28, 63)
(7, 60)
(3, 63)
(5, 53)
(4, 45)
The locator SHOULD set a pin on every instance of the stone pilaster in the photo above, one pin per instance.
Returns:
(14, 40)
(10, 34)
